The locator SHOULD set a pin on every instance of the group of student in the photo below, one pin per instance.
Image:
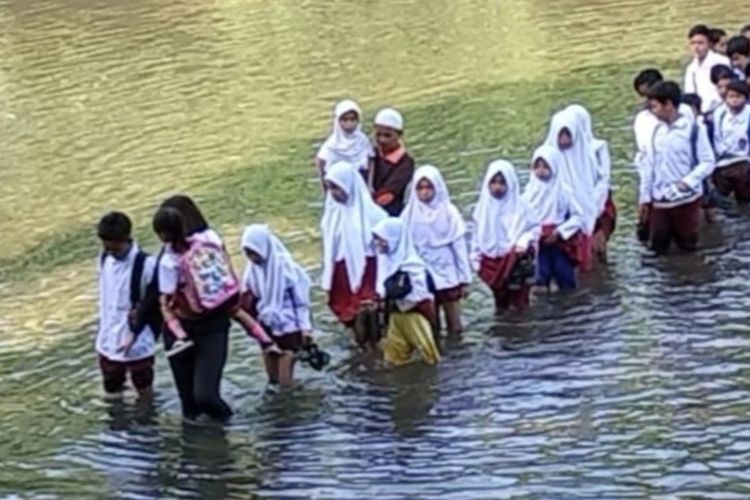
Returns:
(398, 257)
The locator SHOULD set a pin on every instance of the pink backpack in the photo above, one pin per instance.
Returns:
(209, 279)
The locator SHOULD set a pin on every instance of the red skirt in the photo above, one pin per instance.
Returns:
(495, 271)
(342, 302)
(577, 247)
(607, 221)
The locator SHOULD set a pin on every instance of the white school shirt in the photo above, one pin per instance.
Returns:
(731, 133)
(698, 80)
(295, 315)
(114, 307)
(671, 160)
(448, 265)
(360, 160)
(169, 264)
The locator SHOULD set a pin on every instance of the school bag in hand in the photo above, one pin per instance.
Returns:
(209, 278)
(397, 286)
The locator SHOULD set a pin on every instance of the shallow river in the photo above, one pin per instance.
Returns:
(636, 386)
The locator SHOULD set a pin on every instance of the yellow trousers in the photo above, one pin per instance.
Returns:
(409, 332)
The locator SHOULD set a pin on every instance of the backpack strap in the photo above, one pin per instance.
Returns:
(136, 278)
(290, 293)
(694, 143)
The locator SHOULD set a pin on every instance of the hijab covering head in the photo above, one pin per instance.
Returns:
(389, 117)
(500, 223)
(437, 223)
(348, 225)
(547, 198)
(401, 255)
(350, 145)
(269, 282)
(579, 167)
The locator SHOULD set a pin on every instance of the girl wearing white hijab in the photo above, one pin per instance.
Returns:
(280, 290)
(347, 141)
(579, 172)
(411, 318)
(439, 234)
(605, 206)
(562, 219)
(506, 235)
(349, 263)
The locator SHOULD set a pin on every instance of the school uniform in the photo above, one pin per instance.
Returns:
(354, 147)
(197, 371)
(391, 177)
(504, 232)
(349, 264)
(280, 286)
(732, 147)
(553, 204)
(439, 235)
(675, 157)
(698, 80)
(411, 319)
(115, 278)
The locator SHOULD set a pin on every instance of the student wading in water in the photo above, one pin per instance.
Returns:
(671, 184)
(349, 263)
(394, 167)
(199, 296)
(347, 142)
(439, 234)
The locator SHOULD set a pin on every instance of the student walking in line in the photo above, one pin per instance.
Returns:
(698, 72)
(732, 144)
(439, 235)
(393, 167)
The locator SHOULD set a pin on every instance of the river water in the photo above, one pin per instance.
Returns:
(636, 386)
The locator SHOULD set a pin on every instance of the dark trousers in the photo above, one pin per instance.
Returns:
(733, 179)
(197, 371)
(555, 263)
(680, 224)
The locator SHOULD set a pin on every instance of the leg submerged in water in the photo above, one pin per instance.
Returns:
(408, 332)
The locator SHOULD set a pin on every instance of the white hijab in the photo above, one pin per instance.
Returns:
(437, 223)
(348, 224)
(548, 199)
(579, 168)
(270, 281)
(600, 151)
(351, 147)
(500, 223)
(401, 256)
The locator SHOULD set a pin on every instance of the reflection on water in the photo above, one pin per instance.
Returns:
(634, 386)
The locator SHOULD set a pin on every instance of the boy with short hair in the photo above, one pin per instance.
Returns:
(123, 266)
(698, 72)
(732, 143)
(671, 180)
(738, 51)
(393, 166)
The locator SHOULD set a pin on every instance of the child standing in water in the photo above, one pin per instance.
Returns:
(561, 218)
(732, 144)
(506, 235)
(605, 207)
(349, 263)
(124, 272)
(280, 291)
(393, 168)
(347, 141)
(439, 235)
(402, 283)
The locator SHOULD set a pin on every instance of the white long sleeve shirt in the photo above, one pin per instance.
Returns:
(731, 139)
(698, 80)
(448, 265)
(671, 161)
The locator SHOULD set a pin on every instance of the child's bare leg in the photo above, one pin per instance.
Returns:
(270, 360)
(453, 317)
(286, 369)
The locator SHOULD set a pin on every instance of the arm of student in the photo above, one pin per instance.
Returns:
(396, 184)
(575, 220)
(461, 251)
(149, 299)
(604, 172)
(170, 318)
(252, 328)
(646, 179)
(689, 82)
(475, 256)
(706, 162)
(531, 235)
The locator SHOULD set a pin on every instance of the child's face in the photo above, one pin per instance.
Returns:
(564, 139)
(387, 138)
(661, 111)
(541, 170)
(381, 245)
(254, 257)
(425, 191)
(721, 45)
(739, 61)
(721, 87)
(699, 46)
(735, 100)
(337, 193)
(349, 121)
(643, 90)
(117, 249)
(498, 187)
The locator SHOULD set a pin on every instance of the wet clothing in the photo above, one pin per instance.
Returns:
(495, 272)
(343, 302)
(733, 179)
(409, 332)
(114, 373)
(680, 224)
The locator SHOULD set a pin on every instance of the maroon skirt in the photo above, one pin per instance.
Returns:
(449, 295)
(494, 272)
(342, 302)
(607, 221)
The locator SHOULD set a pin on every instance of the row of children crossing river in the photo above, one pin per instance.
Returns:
(397, 257)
